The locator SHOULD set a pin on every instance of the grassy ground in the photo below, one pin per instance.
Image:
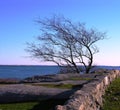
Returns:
(79, 78)
(61, 86)
(18, 106)
(41, 105)
(112, 96)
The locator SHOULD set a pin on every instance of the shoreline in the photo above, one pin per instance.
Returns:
(50, 77)
(34, 91)
(21, 72)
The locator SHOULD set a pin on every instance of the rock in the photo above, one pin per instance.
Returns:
(55, 77)
(89, 97)
(59, 107)
(9, 81)
(23, 92)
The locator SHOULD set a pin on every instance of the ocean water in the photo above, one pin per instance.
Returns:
(20, 72)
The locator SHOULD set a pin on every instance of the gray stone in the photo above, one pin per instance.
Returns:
(90, 96)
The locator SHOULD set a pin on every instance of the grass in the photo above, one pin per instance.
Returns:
(112, 96)
(18, 106)
(61, 86)
(78, 78)
(41, 105)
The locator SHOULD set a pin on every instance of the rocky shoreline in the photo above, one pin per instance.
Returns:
(51, 77)
(61, 77)
(15, 90)
(9, 81)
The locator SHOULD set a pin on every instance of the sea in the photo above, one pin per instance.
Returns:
(24, 71)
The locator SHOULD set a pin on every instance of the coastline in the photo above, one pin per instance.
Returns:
(23, 71)
(38, 91)
(35, 87)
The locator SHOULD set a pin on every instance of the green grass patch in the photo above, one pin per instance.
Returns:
(41, 105)
(78, 78)
(61, 86)
(112, 96)
(18, 106)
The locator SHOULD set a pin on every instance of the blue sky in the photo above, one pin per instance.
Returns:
(17, 26)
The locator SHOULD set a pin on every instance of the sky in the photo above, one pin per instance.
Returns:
(18, 26)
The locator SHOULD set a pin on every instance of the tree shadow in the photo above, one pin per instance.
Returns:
(51, 103)
(48, 104)
(58, 99)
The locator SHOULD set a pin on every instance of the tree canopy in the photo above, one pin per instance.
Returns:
(66, 43)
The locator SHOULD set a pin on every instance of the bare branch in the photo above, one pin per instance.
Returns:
(66, 43)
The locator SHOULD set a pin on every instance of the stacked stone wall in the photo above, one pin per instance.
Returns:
(90, 97)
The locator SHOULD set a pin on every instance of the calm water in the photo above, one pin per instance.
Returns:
(27, 71)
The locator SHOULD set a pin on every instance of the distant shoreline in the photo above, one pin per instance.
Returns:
(24, 71)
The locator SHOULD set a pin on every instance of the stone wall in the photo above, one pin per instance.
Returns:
(90, 96)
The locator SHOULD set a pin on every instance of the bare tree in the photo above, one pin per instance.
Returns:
(66, 43)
